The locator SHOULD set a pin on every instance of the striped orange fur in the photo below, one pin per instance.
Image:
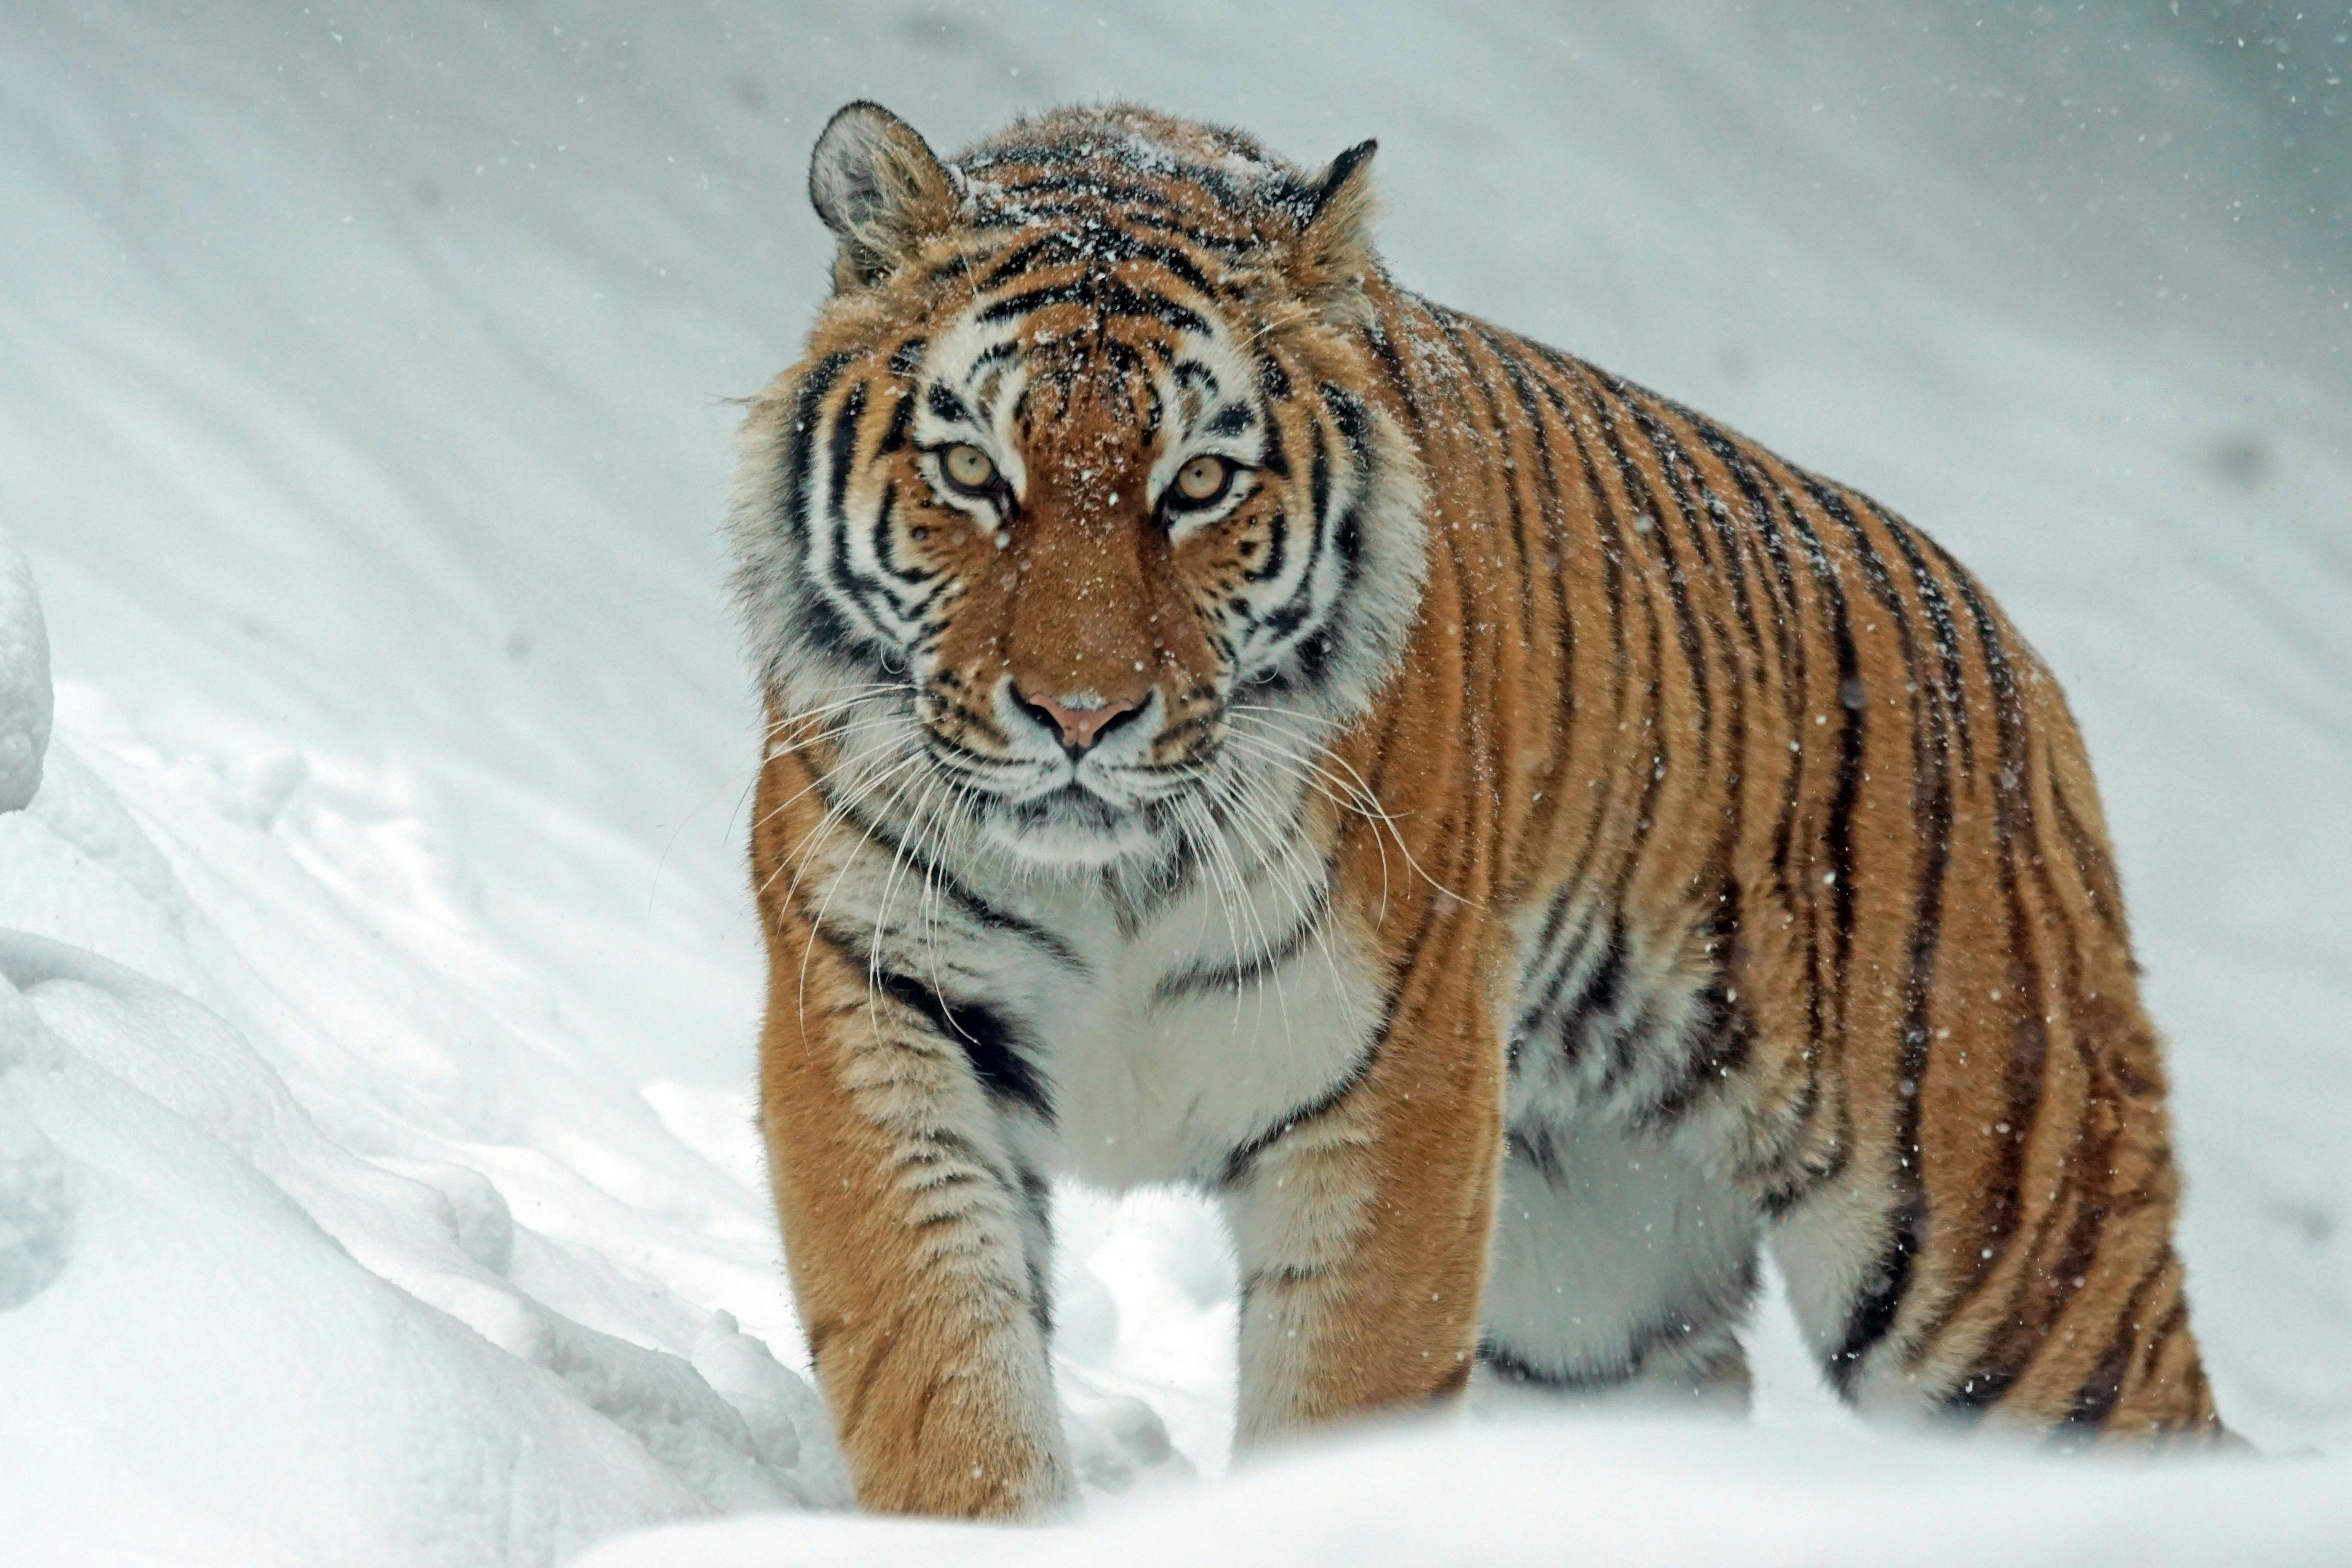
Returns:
(1507, 793)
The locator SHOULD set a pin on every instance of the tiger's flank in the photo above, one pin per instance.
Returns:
(1520, 845)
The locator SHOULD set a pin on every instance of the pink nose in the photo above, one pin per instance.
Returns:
(1079, 726)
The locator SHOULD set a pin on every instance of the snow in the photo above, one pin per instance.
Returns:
(1607, 1493)
(26, 700)
(376, 1183)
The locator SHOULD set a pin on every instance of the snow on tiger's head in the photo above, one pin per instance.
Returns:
(1082, 490)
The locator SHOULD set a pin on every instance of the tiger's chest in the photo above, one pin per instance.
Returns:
(1173, 1041)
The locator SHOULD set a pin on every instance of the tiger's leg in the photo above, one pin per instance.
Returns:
(915, 1241)
(1362, 1225)
(1621, 1269)
(1998, 1244)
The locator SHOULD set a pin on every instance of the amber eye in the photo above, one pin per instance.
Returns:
(1199, 482)
(969, 468)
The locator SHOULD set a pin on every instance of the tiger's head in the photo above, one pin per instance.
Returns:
(1079, 525)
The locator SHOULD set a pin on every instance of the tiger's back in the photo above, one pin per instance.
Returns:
(1518, 845)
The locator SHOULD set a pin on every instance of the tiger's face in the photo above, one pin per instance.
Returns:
(1075, 516)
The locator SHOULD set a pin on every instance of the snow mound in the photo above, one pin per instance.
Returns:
(1608, 1493)
(26, 700)
(176, 1231)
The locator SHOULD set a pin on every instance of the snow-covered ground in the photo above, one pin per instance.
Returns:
(376, 983)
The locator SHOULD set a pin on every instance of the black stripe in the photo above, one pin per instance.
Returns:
(1516, 372)
(902, 414)
(2026, 1066)
(1938, 607)
(989, 1039)
(1931, 829)
(945, 404)
(885, 548)
(1384, 348)
(846, 580)
(1554, 962)
(1826, 1005)
(843, 445)
(1353, 422)
(2095, 1400)
(1038, 1197)
(1612, 552)
(1694, 498)
(800, 440)
(1275, 458)
(968, 903)
(1520, 1372)
(960, 263)
(1032, 214)
(2093, 868)
(1273, 380)
(1231, 420)
(1644, 502)
(811, 622)
(1089, 185)
(1986, 1386)
(1502, 470)
(1108, 297)
(1871, 1313)
(1202, 979)
(1235, 197)
(1718, 1040)
(1241, 1160)
(1277, 552)
(1645, 1342)
(1008, 349)
(1722, 1042)
(2175, 1319)
(1788, 615)
(1295, 610)
(1095, 248)
(1536, 1145)
(1195, 236)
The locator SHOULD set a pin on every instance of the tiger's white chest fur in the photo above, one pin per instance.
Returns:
(1124, 1037)
(1185, 1035)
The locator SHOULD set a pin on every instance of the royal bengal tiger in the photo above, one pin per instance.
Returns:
(1517, 843)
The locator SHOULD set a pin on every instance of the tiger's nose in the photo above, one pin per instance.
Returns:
(1081, 722)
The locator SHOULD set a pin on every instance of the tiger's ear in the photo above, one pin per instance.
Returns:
(880, 188)
(1334, 251)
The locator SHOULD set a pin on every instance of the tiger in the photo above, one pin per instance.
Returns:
(1518, 847)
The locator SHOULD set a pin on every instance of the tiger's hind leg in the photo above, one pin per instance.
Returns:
(1620, 1270)
(1996, 1245)
(2078, 1327)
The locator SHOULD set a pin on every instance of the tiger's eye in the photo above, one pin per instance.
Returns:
(967, 468)
(1202, 480)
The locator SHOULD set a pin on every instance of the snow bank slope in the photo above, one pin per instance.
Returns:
(374, 1177)
(1605, 1494)
(263, 1391)
(231, 1336)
